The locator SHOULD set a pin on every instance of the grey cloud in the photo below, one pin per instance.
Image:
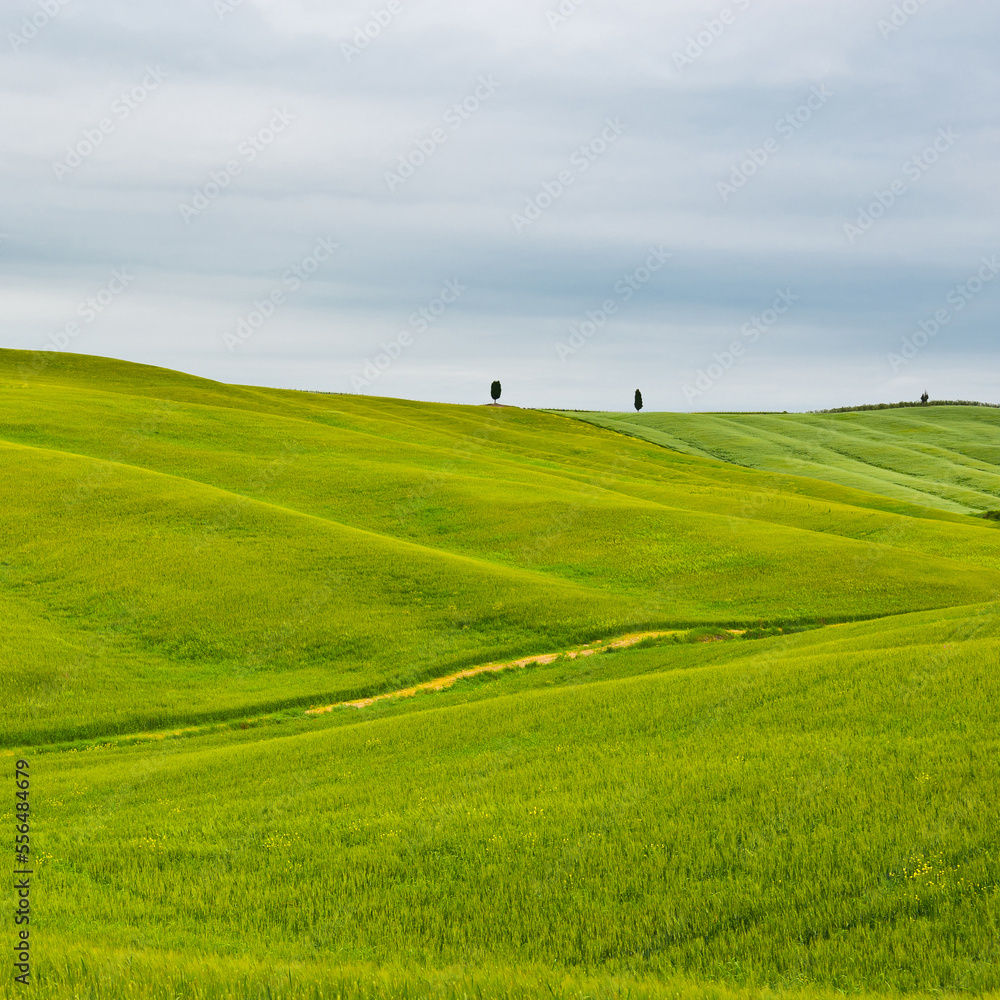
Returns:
(658, 184)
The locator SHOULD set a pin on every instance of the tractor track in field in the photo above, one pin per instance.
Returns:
(441, 683)
(435, 684)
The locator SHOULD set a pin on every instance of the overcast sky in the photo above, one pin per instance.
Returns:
(752, 204)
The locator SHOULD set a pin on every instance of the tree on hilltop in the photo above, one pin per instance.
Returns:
(924, 398)
(495, 390)
(638, 400)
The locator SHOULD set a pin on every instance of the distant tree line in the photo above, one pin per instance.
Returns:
(893, 406)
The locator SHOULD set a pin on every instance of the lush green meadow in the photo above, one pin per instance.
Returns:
(186, 566)
(946, 457)
(208, 551)
(816, 808)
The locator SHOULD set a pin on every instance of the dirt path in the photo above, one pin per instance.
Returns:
(440, 683)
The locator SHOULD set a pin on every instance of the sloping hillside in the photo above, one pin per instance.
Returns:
(210, 551)
(946, 457)
(813, 810)
(725, 811)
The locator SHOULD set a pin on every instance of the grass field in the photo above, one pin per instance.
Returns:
(794, 792)
(947, 457)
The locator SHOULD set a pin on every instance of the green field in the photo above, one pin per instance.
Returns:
(947, 457)
(794, 792)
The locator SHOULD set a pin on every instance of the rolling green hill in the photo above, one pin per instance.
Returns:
(946, 457)
(814, 809)
(255, 549)
(186, 566)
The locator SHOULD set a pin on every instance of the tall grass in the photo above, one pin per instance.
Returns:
(157, 975)
(806, 813)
